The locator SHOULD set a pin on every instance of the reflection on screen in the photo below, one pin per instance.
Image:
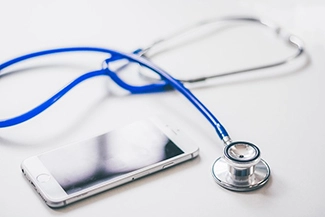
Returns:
(93, 161)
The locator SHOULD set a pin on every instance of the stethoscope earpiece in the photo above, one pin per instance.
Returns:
(241, 168)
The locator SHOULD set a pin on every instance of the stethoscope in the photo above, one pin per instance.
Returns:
(241, 167)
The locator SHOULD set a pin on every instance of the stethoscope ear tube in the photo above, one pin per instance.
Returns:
(292, 40)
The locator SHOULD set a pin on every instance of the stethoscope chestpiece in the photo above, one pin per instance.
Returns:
(241, 168)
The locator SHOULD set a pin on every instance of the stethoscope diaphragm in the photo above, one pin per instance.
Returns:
(241, 168)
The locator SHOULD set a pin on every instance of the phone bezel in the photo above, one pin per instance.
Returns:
(54, 195)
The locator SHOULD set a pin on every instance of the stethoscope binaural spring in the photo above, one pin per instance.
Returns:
(240, 168)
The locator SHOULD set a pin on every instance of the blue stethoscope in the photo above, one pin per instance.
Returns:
(241, 167)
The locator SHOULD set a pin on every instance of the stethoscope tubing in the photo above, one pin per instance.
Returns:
(43, 106)
(167, 83)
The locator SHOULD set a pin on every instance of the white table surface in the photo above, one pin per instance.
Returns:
(281, 110)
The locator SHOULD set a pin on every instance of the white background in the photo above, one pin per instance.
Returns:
(281, 110)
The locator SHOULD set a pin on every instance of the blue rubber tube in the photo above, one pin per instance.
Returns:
(52, 51)
(43, 106)
(167, 82)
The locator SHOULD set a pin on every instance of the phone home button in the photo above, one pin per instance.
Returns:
(43, 177)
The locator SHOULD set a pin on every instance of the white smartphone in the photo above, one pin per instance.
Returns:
(79, 170)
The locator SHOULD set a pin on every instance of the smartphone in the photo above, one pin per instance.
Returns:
(74, 172)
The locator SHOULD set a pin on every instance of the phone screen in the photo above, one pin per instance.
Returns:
(85, 164)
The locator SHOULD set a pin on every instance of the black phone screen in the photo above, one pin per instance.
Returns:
(85, 164)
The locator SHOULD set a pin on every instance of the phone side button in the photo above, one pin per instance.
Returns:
(168, 165)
